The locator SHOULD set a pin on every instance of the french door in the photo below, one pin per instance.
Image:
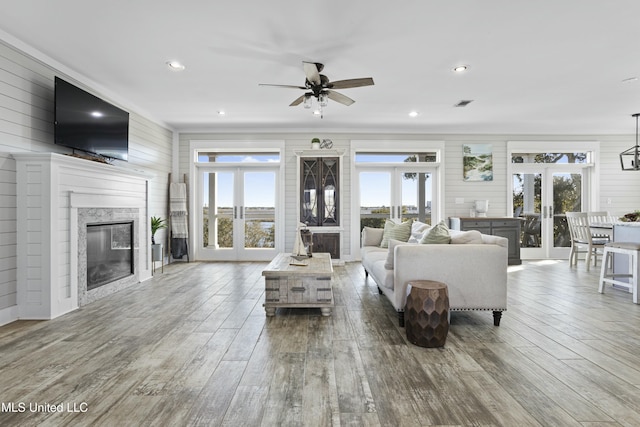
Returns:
(396, 193)
(237, 212)
(542, 194)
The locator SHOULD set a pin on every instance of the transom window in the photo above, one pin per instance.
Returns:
(566, 158)
(395, 157)
(227, 157)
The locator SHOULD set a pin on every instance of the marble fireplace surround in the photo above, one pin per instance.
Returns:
(97, 216)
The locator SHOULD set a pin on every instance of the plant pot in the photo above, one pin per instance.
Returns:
(156, 252)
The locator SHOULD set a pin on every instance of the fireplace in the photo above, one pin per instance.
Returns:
(58, 198)
(109, 253)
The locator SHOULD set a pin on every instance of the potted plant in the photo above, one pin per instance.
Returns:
(315, 143)
(157, 223)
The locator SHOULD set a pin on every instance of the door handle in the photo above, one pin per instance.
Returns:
(241, 211)
(235, 212)
(544, 212)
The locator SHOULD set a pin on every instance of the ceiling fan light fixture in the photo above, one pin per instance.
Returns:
(307, 101)
(322, 99)
(630, 159)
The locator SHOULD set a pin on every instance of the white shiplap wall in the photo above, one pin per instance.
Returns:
(614, 184)
(26, 125)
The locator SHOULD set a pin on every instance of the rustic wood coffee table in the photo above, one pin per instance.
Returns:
(290, 285)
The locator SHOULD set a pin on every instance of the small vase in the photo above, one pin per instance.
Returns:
(315, 145)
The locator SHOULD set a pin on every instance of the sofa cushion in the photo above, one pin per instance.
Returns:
(371, 236)
(395, 231)
(439, 234)
(464, 237)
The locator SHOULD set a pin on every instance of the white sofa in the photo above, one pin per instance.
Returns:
(475, 274)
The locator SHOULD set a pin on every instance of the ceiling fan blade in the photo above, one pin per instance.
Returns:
(311, 71)
(338, 97)
(345, 84)
(287, 86)
(297, 101)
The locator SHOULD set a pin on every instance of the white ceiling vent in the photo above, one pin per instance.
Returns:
(464, 103)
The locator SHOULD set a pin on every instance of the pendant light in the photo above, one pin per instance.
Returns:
(630, 159)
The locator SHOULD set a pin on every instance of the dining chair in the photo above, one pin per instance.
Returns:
(582, 241)
(601, 217)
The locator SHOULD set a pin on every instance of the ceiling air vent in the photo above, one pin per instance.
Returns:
(464, 103)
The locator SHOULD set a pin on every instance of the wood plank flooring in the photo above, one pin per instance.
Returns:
(192, 347)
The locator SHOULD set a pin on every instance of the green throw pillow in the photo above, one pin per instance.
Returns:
(437, 235)
(395, 231)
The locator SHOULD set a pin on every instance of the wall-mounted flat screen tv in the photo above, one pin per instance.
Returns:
(87, 123)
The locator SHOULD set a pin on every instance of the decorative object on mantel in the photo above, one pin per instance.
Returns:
(326, 144)
(631, 217)
(630, 159)
(315, 144)
(157, 223)
(477, 162)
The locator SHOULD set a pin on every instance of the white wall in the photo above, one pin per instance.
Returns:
(623, 188)
(26, 124)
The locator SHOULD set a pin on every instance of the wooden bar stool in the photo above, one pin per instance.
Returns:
(606, 272)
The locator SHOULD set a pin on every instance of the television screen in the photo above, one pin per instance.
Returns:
(87, 123)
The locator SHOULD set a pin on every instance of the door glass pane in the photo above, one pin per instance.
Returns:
(567, 197)
(329, 185)
(310, 179)
(416, 196)
(217, 209)
(260, 209)
(527, 202)
(375, 198)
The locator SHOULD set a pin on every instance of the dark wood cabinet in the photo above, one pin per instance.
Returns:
(503, 227)
(327, 242)
(319, 191)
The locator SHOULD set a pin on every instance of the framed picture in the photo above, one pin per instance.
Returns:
(477, 162)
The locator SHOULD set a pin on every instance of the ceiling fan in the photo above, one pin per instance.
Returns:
(320, 87)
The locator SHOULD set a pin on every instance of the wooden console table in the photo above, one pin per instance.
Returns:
(503, 227)
(308, 285)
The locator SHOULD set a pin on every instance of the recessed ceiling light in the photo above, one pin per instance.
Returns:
(461, 68)
(175, 66)
(414, 114)
(222, 113)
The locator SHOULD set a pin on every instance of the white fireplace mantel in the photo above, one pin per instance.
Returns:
(50, 189)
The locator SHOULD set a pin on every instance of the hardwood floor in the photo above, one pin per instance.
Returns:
(192, 346)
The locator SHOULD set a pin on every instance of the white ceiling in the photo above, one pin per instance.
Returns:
(535, 67)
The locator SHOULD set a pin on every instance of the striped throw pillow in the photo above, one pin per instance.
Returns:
(395, 231)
